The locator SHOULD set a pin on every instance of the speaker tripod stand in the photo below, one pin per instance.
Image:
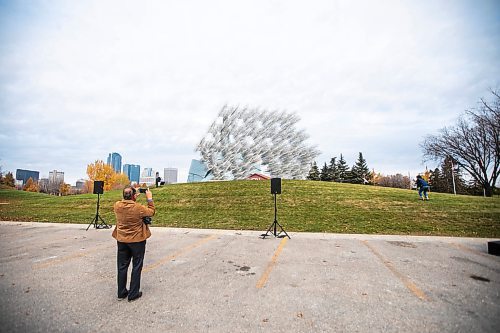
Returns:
(97, 218)
(274, 226)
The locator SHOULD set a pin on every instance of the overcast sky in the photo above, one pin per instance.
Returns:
(81, 79)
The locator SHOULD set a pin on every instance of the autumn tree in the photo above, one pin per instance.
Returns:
(30, 186)
(426, 175)
(8, 180)
(64, 189)
(375, 177)
(474, 143)
(102, 172)
(88, 186)
(120, 181)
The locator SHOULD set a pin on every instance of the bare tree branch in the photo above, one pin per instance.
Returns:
(474, 143)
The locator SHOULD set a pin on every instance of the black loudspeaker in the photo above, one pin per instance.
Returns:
(494, 248)
(275, 185)
(98, 187)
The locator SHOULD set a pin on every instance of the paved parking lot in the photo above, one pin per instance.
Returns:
(61, 278)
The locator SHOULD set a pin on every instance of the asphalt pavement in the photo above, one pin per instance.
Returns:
(62, 278)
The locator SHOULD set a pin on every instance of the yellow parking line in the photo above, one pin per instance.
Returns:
(406, 281)
(263, 279)
(182, 251)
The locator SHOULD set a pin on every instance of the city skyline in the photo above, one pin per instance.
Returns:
(19, 172)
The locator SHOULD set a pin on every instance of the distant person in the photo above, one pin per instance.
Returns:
(423, 188)
(131, 233)
(157, 179)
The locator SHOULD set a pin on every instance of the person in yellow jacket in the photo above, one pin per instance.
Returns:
(131, 233)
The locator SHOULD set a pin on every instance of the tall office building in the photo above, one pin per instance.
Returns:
(170, 175)
(115, 160)
(56, 177)
(133, 172)
(147, 172)
(148, 177)
(24, 175)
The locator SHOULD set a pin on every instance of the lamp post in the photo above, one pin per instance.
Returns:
(453, 177)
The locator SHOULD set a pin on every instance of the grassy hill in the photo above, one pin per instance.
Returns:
(303, 206)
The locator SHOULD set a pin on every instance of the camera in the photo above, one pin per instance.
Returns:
(143, 190)
(147, 220)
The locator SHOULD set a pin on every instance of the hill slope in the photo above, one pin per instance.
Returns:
(303, 206)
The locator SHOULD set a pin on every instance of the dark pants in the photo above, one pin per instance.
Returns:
(127, 251)
(424, 190)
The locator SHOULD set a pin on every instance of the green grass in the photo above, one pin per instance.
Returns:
(303, 206)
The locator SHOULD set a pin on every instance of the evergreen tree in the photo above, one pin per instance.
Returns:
(475, 188)
(441, 180)
(342, 169)
(348, 176)
(325, 174)
(332, 169)
(314, 172)
(436, 181)
(352, 176)
(359, 171)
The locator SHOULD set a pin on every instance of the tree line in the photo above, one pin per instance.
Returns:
(339, 171)
(469, 148)
(447, 178)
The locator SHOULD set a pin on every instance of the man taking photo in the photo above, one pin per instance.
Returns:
(131, 233)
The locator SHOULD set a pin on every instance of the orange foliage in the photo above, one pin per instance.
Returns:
(64, 189)
(426, 175)
(120, 181)
(104, 172)
(31, 186)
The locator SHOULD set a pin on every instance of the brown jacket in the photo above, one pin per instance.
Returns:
(129, 225)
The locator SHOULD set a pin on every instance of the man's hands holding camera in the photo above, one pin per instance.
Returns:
(149, 194)
(149, 198)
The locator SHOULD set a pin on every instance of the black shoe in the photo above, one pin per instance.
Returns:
(138, 296)
(120, 298)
